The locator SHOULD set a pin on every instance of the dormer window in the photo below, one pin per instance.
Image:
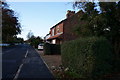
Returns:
(52, 32)
(58, 29)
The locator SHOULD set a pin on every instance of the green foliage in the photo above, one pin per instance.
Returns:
(117, 65)
(35, 41)
(103, 21)
(88, 57)
(47, 49)
(55, 49)
(17, 40)
(10, 24)
(50, 49)
(72, 74)
(30, 35)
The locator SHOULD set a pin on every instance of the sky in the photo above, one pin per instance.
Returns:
(39, 17)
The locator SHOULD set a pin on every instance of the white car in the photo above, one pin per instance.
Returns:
(40, 46)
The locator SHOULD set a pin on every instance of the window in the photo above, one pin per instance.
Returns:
(58, 29)
(53, 41)
(52, 32)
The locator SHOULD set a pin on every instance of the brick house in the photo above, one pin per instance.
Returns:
(63, 31)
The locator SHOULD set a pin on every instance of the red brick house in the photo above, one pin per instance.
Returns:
(63, 31)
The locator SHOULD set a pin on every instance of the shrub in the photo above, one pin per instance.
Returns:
(55, 49)
(47, 48)
(52, 49)
(88, 57)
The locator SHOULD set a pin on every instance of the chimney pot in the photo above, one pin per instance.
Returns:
(70, 13)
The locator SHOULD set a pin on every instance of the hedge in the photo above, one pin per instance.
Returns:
(50, 49)
(88, 57)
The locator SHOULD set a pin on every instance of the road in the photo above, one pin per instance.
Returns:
(23, 62)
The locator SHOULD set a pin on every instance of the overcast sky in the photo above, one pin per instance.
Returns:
(39, 17)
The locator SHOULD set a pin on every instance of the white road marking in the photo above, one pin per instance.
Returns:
(18, 72)
(20, 67)
(26, 54)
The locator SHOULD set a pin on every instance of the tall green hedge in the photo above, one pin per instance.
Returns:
(50, 49)
(88, 57)
(47, 49)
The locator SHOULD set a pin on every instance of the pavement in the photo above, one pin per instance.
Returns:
(23, 62)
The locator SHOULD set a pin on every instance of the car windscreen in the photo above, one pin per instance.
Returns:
(40, 44)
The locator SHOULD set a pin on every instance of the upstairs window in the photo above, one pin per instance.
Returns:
(58, 29)
(52, 32)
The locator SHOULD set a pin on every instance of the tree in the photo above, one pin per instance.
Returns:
(111, 12)
(18, 39)
(34, 41)
(10, 24)
(90, 12)
(100, 22)
(30, 34)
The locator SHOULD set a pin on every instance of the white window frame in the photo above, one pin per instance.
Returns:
(58, 29)
(53, 32)
(53, 41)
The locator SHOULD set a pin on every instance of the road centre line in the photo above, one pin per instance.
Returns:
(26, 54)
(18, 72)
(20, 67)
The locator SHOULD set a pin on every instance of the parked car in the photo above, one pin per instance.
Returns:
(40, 46)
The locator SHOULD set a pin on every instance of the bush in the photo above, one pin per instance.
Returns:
(34, 44)
(88, 57)
(50, 49)
(47, 49)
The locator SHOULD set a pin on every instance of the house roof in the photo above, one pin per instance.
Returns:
(48, 34)
(54, 37)
(79, 12)
(58, 23)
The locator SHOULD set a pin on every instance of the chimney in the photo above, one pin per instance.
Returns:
(70, 13)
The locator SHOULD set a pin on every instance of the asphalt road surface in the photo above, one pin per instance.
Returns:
(23, 62)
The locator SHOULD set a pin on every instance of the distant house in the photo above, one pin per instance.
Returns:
(63, 31)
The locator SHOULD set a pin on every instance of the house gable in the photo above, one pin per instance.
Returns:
(63, 31)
